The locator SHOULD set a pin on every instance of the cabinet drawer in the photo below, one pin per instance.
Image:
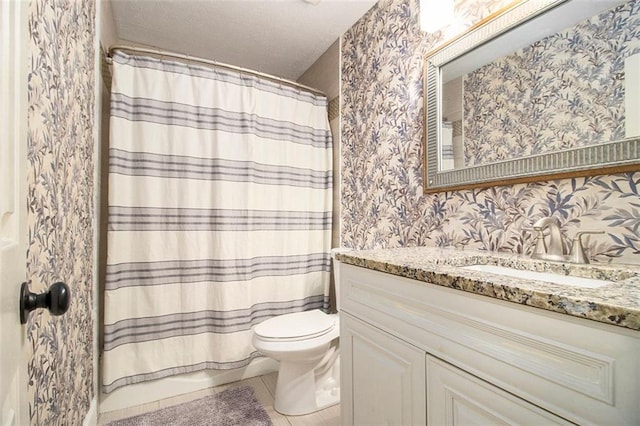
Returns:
(581, 370)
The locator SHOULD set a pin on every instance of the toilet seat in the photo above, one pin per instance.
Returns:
(296, 326)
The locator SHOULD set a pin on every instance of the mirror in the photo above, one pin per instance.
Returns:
(546, 89)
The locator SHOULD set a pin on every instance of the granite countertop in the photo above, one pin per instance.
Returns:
(617, 303)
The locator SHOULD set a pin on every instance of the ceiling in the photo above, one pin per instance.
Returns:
(279, 37)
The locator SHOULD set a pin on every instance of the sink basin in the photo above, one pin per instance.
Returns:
(539, 276)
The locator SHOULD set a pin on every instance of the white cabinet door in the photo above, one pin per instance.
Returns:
(382, 377)
(455, 397)
(13, 200)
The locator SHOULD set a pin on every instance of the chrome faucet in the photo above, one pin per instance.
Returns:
(555, 249)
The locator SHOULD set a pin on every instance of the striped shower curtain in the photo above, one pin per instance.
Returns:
(219, 215)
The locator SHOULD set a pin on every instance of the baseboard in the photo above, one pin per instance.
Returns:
(91, 419)
(142, 393)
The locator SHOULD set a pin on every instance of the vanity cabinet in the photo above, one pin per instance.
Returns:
(455, 397)
(418, 353)
(375, 358)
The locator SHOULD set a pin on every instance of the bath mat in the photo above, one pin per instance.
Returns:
(231, 407)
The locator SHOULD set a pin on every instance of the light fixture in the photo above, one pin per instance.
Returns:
(435, 14)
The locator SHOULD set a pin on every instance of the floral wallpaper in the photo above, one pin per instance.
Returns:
(383, 204)
(60, 207)
(564, 91)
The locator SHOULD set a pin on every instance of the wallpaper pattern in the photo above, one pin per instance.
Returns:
(60, 206)
(383, 205)
(566, 90)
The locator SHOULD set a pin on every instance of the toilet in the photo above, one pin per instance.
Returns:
(306, 345)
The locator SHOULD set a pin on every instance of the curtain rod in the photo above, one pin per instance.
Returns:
(184, 57)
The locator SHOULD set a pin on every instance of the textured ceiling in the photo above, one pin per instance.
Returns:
(278, 37)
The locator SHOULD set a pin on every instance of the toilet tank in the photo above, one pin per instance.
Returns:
(336, 272)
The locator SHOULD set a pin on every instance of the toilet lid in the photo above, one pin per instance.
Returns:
(297, 325)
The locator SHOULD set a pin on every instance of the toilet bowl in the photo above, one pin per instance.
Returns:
(306, 345)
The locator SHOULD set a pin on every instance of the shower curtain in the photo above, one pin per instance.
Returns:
(219, 215)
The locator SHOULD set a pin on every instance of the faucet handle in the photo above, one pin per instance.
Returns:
(578, 254)
(540, 249)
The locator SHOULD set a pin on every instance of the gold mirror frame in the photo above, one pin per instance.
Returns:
(607, 158)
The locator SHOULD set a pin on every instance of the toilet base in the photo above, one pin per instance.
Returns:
(304, 388)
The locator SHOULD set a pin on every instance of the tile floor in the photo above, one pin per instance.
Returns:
(264, 387)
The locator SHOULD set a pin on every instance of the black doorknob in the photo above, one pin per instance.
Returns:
(56, 299)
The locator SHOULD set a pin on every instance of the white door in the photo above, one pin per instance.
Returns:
(13, 200)
(455, 397)
(382, 377)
